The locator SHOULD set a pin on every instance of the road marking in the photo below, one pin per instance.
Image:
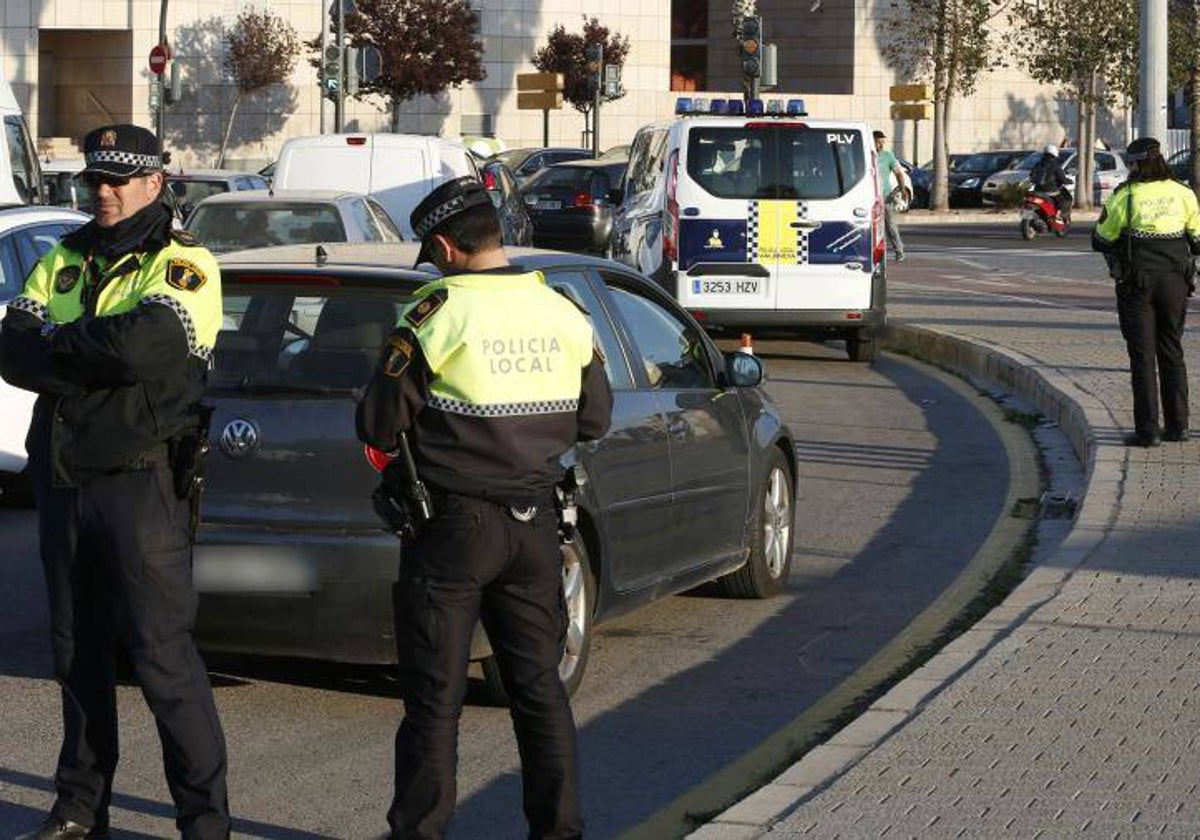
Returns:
(979, 249)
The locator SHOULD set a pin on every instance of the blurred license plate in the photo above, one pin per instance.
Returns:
(725, 287)
(548, 205)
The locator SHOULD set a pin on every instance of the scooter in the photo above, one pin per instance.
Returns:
(1039, 214)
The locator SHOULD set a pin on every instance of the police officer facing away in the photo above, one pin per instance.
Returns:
(1150, 234)
(114, 330)
(494, 375)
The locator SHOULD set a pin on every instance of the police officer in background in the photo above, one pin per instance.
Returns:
(114, 331)
(495, 376)
(1150, 234)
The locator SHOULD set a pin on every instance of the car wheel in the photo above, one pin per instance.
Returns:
(766, 571)
(579, 593)
(861, 348)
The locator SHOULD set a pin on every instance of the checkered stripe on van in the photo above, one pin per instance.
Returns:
(752, 231)
(801, 234)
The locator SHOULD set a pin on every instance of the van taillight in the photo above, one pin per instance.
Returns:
(878, 243)
(356, 141)
(671, 228)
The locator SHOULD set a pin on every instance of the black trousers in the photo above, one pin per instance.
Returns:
(118, 565)
(1152, 320)
(475, 561)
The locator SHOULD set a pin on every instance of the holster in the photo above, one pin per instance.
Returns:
(394, 510)
(185, 453)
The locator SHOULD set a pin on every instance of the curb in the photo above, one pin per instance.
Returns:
(917, 218)
(1060, 400)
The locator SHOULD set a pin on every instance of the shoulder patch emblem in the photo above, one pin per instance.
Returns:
(184, 275)
(397, 354)
(184, 237)
(430, 304)
(66, 278)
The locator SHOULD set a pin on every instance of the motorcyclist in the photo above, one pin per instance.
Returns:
(1047, 177)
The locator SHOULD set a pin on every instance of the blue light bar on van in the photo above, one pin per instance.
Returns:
(699, 105)
(775, 107)
(719, 106)
(683, 105)
(795, 108)
(736, 108)
(754, 108)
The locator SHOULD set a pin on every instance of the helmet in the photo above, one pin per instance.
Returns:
(1051, 149)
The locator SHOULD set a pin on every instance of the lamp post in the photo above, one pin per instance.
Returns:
(1152, 84)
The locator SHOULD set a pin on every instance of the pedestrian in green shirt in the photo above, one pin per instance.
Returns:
(893, 182)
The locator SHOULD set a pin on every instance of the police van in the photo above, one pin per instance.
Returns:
(756, 216)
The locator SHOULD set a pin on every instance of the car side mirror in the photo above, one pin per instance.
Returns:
(743, 369)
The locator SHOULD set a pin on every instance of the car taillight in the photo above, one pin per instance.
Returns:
(377, 458)
(584, 199)
(671, 229)
(489, 180)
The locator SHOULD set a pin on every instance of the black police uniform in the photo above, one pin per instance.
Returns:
(114, 331)
(1149, 231)
(494, 375)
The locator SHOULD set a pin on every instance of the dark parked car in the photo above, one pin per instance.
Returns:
(525, 163)
(1181, 166)
(967, 179)
(695, 481)
(572, 204)
(505, 194)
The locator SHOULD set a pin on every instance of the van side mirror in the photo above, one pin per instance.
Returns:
(743, 369)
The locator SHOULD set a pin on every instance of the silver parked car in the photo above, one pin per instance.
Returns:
(261, 218)
(1109, 172)
(695, 481)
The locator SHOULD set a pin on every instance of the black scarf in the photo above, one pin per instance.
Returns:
(149, 229)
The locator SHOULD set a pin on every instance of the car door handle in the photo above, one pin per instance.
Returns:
(806, 224)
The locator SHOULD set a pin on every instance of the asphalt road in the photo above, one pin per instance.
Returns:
(902, 480)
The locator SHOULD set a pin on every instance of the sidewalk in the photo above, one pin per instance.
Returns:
(1073, 708)
(985, 216)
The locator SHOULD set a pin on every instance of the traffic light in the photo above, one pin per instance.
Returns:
(594, 56)
(331, 71)
(751, 47)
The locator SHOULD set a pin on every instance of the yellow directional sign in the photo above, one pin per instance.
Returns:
(540, 100)
(910, 93)
(923, 111)
(540, 81)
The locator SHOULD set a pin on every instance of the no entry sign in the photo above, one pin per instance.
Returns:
(158, 59)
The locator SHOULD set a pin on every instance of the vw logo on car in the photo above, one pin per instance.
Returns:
(239, 438)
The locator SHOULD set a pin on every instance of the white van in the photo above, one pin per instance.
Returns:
(397, 170)
(20, 174)
(767, 219)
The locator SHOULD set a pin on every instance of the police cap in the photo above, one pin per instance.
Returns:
(1142, 148)
(122, 150)
(444, 203)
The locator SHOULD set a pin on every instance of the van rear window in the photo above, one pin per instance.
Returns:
(775, 161)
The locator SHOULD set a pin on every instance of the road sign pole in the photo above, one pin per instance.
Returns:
(321, 72)
(339, 103)
(161, 122)
(545, 128)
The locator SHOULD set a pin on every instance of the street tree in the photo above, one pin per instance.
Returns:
(946, 44)
(425, 48)
(1088, 46)
(563, 53)
(1184, 34)
(261, 50)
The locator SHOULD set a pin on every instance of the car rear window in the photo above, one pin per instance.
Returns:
(567, 176)
(307, 339)
(229, 227)
(775, 161)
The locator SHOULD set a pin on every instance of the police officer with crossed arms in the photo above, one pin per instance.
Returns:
(114, 331)
(494, 375)
(1150, 234)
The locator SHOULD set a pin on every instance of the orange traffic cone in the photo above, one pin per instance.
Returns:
(747, 345)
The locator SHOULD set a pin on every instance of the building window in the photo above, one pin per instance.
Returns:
(689, 45)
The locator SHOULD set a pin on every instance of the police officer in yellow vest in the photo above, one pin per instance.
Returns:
(114, 331)
(1150, 234)
(494, 375)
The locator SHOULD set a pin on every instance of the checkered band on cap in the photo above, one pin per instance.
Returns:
(438, 215)
(123, 158)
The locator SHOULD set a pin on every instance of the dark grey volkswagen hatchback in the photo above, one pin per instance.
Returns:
(694, 482)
